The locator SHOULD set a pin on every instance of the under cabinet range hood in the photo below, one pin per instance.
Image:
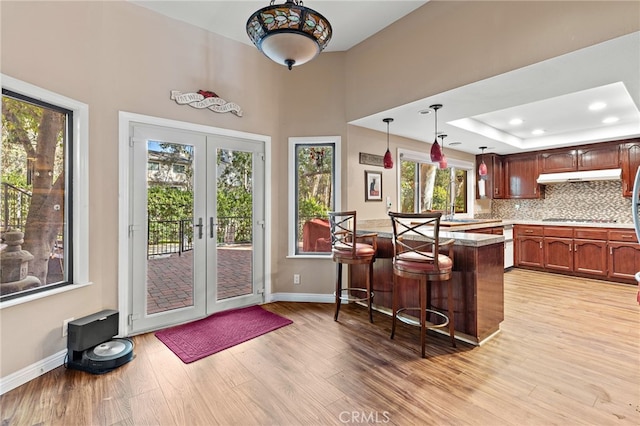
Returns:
(585, 176)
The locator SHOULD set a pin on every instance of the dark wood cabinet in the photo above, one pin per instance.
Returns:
(558, 161)
(528, 246)
(590, 257)
(599, 156)
(521, 174)
(624, 254)
(629, 161)
(558, 254)
(494, 180)
(624, 260)
(580, 158)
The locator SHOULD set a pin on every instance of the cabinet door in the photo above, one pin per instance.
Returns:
(599, 157)
(558, 161)
(624, 260)
(529, 252)
(521, 173)
(630, 160)
(558, 254)
(494, 180)
(590, 257)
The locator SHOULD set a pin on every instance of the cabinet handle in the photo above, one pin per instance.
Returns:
(528, 231)
(540, 244)
(569, 246)
(611, 251)
(626, 236)
(575, 248)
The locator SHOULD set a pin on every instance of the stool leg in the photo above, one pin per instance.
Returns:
(394, 305)
(450, 308)
(370, 291)
(423, 313)
(338, 289)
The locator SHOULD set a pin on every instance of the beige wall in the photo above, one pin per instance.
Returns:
(117, 56)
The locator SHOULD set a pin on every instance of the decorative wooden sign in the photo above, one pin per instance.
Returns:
(371, 159)
(206, 99)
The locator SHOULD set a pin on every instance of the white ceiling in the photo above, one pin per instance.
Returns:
(553, 95)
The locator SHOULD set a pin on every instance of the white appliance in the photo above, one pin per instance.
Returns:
(507, 232)
(635, 202)
(585, 176)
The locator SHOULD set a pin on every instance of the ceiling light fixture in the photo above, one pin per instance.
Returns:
(596, 106)
(290, 33)
(436, 152)
(610, 120)
(482, 168)
(388, 160)
(516, 121)
(537, 132)
(443, 161)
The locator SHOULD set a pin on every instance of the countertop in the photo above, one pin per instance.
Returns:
(461, 238)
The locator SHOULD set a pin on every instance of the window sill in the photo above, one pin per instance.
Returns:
(41, 295)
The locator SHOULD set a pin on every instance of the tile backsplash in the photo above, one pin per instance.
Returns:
(601, 200)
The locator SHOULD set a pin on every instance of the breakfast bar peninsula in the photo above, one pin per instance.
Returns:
(478, 280)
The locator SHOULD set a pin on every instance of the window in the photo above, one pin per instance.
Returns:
(40, 137)
(153, 166)
(424, 186)
(314, 190)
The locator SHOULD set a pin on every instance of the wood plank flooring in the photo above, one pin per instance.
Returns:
(568, 354)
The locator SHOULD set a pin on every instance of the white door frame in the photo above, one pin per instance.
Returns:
(124, 207)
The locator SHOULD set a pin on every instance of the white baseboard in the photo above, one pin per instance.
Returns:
(302, 297)
(32, 371)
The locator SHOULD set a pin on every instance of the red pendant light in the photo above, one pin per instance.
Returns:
(482, 168)
(443, 160)
(436, 152)
(388, 160)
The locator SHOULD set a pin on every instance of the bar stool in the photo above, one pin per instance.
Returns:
(416, 256)
(346, 249)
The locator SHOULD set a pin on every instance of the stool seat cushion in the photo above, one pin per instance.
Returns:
(362, 250)
(413, 261)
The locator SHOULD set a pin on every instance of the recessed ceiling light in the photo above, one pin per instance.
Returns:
(454, 143)
(537, 132)
(425, 111)
(610, 120)
(516, 121)
(596, 106)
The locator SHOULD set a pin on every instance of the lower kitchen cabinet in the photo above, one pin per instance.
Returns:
(528, 246)
(588, 252)
(590, 257)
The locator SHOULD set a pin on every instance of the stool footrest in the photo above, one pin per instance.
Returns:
(416, 321)
(350, 298)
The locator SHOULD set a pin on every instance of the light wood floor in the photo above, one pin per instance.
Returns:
(568, 354)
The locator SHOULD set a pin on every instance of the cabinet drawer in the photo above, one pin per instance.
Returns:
(525, 230)
(623, 235)
(558, 231)
(591, 233)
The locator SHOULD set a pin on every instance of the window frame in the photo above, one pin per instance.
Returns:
(423, 157)
(78, 186)
(294, 142)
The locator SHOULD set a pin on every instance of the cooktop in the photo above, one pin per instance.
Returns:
(564, 219)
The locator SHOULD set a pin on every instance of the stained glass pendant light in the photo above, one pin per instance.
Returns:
(388, 160)
(436, 152)
(482, 168)
(290, 33)
(442, 164)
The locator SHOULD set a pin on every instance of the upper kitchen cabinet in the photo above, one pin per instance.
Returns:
(521, 173)
(630, 160)
(494, 180)
(581, 158)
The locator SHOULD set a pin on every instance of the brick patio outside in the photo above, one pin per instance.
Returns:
(169, 279)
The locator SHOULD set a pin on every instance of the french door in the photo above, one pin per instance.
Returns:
(197, 225)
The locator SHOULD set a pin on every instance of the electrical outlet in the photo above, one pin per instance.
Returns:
(65, 326)
(296, 278)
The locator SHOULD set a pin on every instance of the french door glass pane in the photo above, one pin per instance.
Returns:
(234, 245)
(170, 226)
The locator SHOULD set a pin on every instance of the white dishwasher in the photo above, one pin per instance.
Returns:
(507, 232)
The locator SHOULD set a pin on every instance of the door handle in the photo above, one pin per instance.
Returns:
(211, 227)
(199, 226)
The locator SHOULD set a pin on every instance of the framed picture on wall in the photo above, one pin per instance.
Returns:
(372, 185)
